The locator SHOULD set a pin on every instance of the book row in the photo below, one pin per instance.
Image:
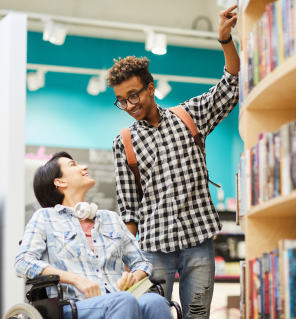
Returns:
(267, 45)
(272, 283)
(268, 169)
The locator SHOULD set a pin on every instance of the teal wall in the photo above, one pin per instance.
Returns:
(62, 114)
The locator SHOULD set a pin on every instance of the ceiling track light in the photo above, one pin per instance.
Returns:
(55, 33)
(96, 85)
(156, 42)
(162, 89)
(35, 80)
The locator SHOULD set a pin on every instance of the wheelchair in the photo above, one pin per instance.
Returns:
(42, 307)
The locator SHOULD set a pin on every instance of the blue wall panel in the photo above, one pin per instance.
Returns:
(62, 114)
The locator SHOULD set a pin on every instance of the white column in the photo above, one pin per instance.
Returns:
(13, 59)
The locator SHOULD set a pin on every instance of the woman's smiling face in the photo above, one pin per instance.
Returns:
(75, 176)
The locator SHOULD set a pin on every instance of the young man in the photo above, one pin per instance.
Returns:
(175, 217)
(85, 247)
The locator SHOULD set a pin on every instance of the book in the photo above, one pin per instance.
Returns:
(139, 288)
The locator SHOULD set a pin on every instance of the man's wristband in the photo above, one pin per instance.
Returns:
(226, 41)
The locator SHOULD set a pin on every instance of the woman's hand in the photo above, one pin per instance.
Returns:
(89, 288)
(126, 281)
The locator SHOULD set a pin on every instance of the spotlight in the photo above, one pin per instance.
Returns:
(156, 42)
(160, 44)
(48, 27)
(55, 33)
(35, 80)
(96, 85)
(162, 89)
(58, 34)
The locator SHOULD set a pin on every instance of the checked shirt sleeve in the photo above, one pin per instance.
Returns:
(209, 109)
(126, 187)
(28, 263)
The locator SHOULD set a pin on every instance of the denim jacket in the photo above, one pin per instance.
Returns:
(54, 237)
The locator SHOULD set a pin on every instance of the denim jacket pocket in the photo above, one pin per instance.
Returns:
(67, 244)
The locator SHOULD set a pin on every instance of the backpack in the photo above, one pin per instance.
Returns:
(131, 156)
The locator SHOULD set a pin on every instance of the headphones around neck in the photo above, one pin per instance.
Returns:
(85, 210)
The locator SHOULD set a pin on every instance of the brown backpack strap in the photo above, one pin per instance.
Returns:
(188, 121)
(131, 157)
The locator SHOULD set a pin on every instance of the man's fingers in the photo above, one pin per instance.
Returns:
(231, 21)
(229, 9)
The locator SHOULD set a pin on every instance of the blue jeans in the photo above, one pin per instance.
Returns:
(196, 267)
(120, 305)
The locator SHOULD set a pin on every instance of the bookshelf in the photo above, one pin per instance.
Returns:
(270, 104)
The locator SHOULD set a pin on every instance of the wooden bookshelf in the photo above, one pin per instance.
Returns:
(270, 104)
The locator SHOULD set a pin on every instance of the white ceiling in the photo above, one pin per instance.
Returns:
(169, 13)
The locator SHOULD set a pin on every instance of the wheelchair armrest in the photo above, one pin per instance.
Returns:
(157, 281)
(43, 280)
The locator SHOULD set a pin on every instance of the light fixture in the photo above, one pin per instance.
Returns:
(162, 89)
(156, 42)
(48, 26)
(35, 80)
(96, 85)
(55, 33)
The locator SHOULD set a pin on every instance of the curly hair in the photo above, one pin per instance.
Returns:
(124, 69)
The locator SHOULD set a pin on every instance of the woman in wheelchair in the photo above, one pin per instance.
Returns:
(87, 253)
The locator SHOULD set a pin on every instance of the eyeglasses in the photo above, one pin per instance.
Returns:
(133, 99)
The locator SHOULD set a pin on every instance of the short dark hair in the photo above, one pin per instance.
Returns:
(124, 69)
(43, 184)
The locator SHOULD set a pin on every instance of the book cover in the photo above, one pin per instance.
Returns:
(277, 284)
(270, 165)
(285, 159)
(256, 59)
(277, 184)
(266, 285)
(139, 288)
(266, 43)
(254, 175)
(269, 19)
(256, 287)
(284, 245)
(262, 168)
(292, 281)
(275, 40)
(251, 290)
(280, 32)
(248, 189)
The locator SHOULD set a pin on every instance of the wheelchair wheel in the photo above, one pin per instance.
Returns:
(24, 309)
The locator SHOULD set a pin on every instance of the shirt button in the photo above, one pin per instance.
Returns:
(105, 284)
(97, 256)
(94, 241)
(97, 270)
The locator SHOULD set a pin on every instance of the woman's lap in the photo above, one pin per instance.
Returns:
(114, 305)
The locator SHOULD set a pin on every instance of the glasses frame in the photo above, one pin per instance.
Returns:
(128, 99)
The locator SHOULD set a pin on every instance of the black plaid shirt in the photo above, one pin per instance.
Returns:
(177, 210)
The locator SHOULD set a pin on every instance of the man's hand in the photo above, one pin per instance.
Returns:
(89, 288)
(126, 281)
(227, 20)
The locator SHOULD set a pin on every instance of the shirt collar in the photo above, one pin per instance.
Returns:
(68, 209)
(64, 209)
(146, 124)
